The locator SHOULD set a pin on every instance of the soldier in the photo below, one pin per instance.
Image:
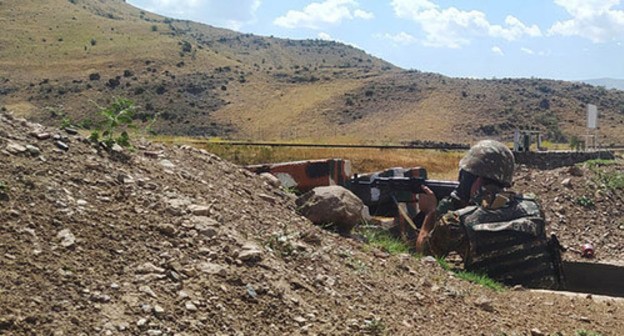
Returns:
(496, 232)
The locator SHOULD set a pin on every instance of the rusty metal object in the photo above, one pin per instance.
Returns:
(306, 175)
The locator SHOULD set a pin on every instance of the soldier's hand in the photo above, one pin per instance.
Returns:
(427, 201)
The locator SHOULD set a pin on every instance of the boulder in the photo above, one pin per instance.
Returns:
(332, 205)
(15, 148)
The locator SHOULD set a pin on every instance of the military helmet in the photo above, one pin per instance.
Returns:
(490, 159)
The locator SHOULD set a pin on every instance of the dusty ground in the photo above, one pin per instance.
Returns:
(175, 241)
(581, 206)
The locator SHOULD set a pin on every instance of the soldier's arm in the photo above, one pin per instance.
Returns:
(448, 235)
(441, 232)
(427, 203)
(422, 242)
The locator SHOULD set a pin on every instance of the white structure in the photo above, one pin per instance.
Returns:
(592, 116)
(591, 139)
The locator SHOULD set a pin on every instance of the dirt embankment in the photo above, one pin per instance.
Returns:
(176, 241)
(583, 205)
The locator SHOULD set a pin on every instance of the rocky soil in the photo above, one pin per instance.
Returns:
(582, 206)
(176, 241)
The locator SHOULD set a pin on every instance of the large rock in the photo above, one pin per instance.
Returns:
(15, 148)
(332, 205)
(66, 237)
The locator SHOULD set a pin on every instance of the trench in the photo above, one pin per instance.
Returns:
(594, 278)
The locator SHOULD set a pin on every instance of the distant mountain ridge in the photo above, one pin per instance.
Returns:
(61, 59)
(609, 83)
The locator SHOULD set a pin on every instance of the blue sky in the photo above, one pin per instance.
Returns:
(557, 39)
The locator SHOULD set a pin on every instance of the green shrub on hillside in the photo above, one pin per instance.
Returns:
(118, 120)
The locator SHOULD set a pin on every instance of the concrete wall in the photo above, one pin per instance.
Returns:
(549, 160)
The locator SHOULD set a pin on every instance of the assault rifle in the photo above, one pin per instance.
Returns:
(381, 193)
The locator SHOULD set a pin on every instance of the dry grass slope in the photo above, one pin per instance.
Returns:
(62, 58)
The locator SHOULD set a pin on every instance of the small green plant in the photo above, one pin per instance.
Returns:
(85, 124)
(154, 28)
(613, 180)
(292, 190)
(479, 279)
(94, 136)
(66, 122)
(444, 264)
(123, 139)
(482, 280)
(149, 128)
(118, 115)
(385, 241)
(593, 164)
(56, 111)
(118, 120)
(357, 265)
(585, 201)
(3, 186)
(374, 327)
(281, 244)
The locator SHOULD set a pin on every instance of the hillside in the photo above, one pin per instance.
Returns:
(176, 241)
(609, 83)
(415, 105)
(64, 58)
(75, 55)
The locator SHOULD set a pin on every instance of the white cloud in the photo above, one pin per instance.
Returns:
(318, 14)
(527, 51)
(362, 14)
(454, 28)
(222, 13)
(326, 37)
(595, 20)
(498, 51)
(400, 38)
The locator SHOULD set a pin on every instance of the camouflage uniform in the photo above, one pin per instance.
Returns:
(501, 236)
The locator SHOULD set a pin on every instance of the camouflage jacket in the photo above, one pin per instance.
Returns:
(503, 237)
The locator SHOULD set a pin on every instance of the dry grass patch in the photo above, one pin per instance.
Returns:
(439, 164)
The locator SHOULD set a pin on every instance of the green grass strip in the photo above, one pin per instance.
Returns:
(384, 241)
